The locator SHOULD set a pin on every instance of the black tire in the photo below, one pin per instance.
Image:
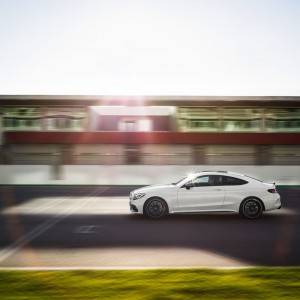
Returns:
(251, 208)
(155, 208)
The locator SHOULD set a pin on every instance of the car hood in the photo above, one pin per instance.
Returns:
(154, 187)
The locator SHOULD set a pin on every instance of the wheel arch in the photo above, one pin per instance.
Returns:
(156, 197)
(252, 197)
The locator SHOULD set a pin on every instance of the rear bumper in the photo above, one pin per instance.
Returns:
(278, 203)
(272, 201)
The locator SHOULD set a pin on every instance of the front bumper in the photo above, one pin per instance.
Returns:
(136, 206)
(133, 208)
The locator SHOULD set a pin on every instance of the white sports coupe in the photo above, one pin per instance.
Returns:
(207, 191)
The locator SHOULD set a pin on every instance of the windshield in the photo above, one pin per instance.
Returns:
(181, 180)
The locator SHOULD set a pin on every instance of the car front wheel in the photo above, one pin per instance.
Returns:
(251, 208)
(155, 208)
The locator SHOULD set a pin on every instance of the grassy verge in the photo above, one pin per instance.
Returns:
(252, 283)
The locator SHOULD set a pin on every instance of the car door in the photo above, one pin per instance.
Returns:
(235, 190)
(205, 194)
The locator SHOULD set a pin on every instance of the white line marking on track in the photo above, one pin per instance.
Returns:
(87, 229)
(22, 241)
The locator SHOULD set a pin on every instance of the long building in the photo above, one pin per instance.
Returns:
(100, 130)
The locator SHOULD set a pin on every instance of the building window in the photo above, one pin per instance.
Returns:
(283, 119)
(17, 118)
(242, 119)
(65, 118)
(198, 119)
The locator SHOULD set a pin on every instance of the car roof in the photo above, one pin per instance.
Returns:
(228, 173)
(218, 172)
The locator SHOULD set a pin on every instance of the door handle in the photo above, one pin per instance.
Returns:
(217, 190)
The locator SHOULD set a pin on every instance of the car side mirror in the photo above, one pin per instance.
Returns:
(189, 185)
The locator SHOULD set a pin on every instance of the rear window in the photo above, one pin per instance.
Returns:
(227, 180)
(253, 178)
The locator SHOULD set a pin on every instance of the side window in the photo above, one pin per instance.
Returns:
(211, 180)
(201, 181)
(227, 180)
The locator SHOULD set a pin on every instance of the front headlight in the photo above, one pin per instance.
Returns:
(138, 196)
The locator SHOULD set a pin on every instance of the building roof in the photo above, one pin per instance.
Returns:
(139, 100)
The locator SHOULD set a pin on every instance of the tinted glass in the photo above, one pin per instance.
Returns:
(227, 180)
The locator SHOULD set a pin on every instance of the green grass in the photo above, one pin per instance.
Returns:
(252, 283)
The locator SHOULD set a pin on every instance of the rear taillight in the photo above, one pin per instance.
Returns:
(273, 191)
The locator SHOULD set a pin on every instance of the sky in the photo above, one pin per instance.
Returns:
(154, 47)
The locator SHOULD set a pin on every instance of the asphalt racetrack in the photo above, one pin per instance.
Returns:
(92, 227)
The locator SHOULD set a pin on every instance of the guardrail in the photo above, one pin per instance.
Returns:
(132, 174)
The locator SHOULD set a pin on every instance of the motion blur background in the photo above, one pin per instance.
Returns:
(119, 140)
(183, 86)
(215, 84)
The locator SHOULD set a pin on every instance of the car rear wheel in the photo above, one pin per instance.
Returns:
(155, 208)
(251, 208)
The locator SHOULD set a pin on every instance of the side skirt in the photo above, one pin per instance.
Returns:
(200, 211)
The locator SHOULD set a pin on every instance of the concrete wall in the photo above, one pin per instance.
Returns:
(133, 174)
